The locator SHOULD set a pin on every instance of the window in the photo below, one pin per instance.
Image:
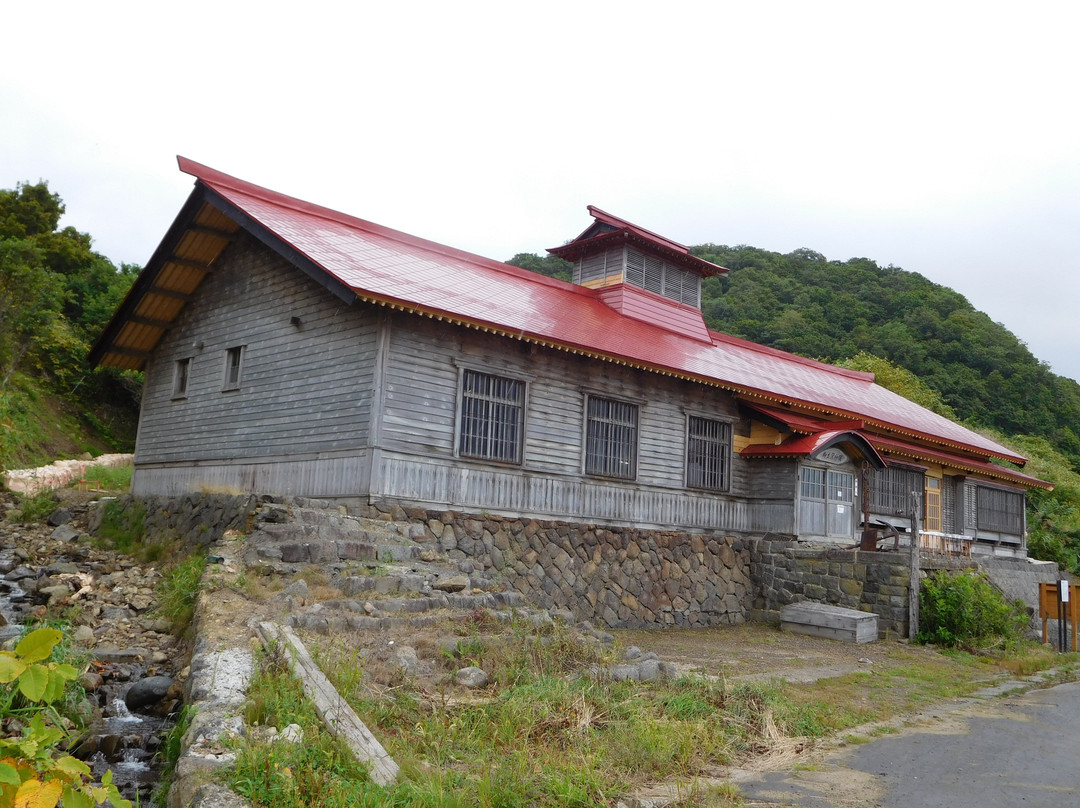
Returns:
(492, 417)
(658, 276)
(893, 490)
(180, 377)
(234, 363)
(611, 438)
(708, 453)
(812, 483)
(932, 518)
(1000, 510)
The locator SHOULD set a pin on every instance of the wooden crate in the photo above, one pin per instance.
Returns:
(834, 622)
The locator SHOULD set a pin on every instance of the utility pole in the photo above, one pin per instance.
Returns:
(913, 580)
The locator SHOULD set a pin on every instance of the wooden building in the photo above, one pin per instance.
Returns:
(292, 349)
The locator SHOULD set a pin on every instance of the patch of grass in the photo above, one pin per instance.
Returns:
(548, 735)
(35, 508)
(314, 575)
(110, 478)
(856, 740)
(169, 753)
(123, 526)
(176, 592)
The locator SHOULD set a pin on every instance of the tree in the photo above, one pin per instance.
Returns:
(30, 298)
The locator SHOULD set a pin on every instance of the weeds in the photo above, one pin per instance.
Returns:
(110, 478)
(35, 508)
(176, 592)
(123, 526)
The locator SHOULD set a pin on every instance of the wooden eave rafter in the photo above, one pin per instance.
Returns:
(198, 235)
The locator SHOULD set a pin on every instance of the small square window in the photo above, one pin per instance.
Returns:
(234, 365)
(181, 371)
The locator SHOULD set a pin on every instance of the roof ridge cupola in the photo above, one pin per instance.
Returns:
(640, 274)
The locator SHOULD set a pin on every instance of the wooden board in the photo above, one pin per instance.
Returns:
(833, 622)
(331, 707)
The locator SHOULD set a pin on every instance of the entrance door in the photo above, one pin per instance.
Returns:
(840, 503)
(826, 503)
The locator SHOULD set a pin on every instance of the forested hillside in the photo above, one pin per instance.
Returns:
(806, 304)
(56, 294)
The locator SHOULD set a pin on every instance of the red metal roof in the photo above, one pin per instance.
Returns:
(909, 450)
(393, 268)
(804, 424)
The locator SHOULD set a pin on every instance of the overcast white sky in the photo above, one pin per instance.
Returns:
(939, 137)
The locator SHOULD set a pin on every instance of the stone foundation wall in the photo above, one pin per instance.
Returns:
(196, 519)
(785, 572)
(616, 577)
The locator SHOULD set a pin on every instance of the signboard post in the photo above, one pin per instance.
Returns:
(1056, 603)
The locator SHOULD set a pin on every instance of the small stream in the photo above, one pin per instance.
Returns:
(120, 740)
(125, 742)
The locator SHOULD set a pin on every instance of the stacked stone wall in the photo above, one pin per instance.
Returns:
(616, 576)
(195, 519)
(619, 577)
(786, 572)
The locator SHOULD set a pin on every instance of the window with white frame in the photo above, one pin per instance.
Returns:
(181, 372)
(708, 453)
(234, 365)
(611, 438)
(492, 417)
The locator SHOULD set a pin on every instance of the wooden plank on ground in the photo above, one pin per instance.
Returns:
(826, 620)
(331, 707)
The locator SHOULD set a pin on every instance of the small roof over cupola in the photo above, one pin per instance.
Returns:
(641, 274)
(608, 229)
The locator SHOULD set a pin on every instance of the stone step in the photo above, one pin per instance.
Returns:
(338, 616)
(319, 551)
(283, 522)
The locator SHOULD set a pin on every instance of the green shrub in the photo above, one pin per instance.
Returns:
(36, 507)
(966, 611)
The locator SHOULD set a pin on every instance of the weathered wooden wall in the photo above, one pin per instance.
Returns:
(300, 417)
(355, 402)
(418, 462)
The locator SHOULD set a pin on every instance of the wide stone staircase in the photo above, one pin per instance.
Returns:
(388, 574)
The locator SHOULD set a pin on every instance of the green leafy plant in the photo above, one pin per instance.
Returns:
(33, 772)
(966, 611)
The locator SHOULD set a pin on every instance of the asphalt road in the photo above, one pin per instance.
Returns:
(993, 753)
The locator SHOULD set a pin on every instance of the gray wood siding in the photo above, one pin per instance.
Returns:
(420, 407)
(303, 388)
(345, 476)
